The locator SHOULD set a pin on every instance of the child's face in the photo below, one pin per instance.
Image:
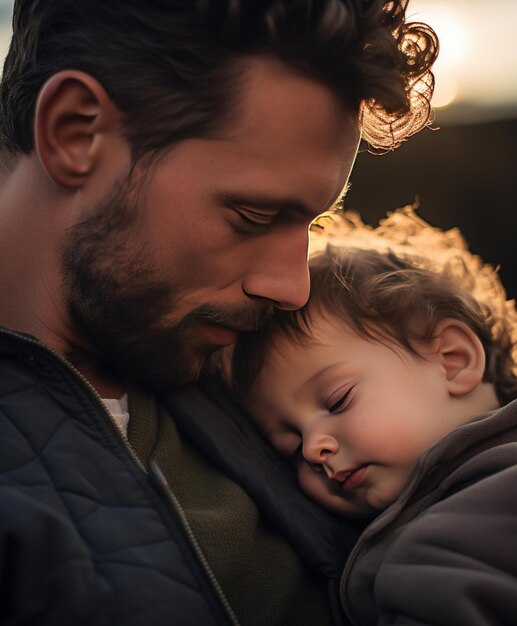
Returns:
(355, 414)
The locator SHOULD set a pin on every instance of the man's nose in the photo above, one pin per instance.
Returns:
(280, 274)
(319, 447)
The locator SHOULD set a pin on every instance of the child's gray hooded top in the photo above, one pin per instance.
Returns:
(446, 551)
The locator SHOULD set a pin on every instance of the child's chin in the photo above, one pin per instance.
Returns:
(346, 508)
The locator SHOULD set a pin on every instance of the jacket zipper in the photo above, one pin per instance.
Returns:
(173, 500)
(155, 469)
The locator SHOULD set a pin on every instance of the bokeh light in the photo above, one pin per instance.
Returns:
(477, 65)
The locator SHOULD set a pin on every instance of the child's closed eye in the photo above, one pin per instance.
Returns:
(339, 401)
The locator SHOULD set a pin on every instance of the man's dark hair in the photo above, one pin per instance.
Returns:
(171, 66)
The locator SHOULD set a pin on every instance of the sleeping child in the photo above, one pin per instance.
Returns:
(391, 391)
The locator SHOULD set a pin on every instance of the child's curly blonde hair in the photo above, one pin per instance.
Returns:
(398, 280)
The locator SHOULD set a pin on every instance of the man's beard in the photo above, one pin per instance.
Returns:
(118, 303)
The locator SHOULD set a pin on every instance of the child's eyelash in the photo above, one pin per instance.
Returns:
(341, 402)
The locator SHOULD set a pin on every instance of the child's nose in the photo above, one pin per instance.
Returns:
(318, 447)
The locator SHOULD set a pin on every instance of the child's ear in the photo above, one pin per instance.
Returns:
(461, 354)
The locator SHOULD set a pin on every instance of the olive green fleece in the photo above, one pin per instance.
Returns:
(262, 577)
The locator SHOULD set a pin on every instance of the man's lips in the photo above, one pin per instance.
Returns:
(219, 335)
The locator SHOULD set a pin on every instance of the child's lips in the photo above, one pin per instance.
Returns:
(346, 480)
(354, 478)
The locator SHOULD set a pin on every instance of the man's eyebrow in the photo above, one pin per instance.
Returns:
(269, 203)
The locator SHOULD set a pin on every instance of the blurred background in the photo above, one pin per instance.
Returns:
(462, 173)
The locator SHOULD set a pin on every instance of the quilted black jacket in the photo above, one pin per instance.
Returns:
(87, 536)
(90, 536)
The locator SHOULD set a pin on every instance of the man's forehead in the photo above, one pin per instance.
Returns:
(274, 99)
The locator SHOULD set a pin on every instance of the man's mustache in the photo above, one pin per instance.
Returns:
(240, 318)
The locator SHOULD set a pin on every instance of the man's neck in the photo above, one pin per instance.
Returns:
(33, 220)
(84, 359)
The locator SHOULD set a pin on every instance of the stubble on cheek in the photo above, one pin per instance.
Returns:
(114, 297)
(120, 302)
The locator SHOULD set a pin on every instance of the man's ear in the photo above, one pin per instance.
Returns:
(461, 354)
(73, 117)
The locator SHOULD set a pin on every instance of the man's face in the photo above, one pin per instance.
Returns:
(181, 257)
